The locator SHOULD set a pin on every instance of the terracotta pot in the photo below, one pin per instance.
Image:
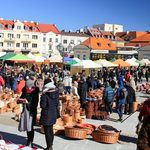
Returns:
(77, 116)
(67, 119)
(134, 106)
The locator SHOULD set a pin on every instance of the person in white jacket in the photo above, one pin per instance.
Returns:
(67, 84)
(132, 83)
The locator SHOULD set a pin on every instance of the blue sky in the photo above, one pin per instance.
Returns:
(75, 14)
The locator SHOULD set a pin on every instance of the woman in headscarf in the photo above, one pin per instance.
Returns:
(49, 113)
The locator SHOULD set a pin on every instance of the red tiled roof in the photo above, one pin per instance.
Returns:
(137, 44)
(99, 44)
(48, 28)
(39, 27)
(143, 38)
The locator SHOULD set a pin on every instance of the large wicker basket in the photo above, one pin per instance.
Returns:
(106, 134)
(75, 133)
(105, 137)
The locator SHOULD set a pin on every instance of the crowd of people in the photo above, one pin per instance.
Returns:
(50, 81)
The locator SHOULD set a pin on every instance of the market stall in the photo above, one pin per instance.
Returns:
(86, 65)
(121, 63)
(132, 62)
(106, 63)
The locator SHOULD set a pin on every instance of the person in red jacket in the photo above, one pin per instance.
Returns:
(2, 82)
(127, 75)
(20, 85)
(143, 141)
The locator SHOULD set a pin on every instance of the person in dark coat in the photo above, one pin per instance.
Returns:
(31, 93)
(131, 97)
(49, 113)
(82, 91)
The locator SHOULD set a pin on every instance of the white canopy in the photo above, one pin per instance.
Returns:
(133, 58)
(56, 58)
(36, 57)
(39, 58)
(86, 64)
(145, 61)
(132, 63)
(106, 63)
(30, 55)
(76, 59)
(2, 54)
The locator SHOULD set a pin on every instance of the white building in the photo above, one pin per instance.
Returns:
(18, 36)
(109, 27)
(71, 39)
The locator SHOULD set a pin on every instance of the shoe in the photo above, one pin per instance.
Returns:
(51, 148)
(120, 119)
(30, 144)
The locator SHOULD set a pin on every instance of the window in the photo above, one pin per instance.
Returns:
(1, 35)
(56, 40)
(98, 44)
(17, 44)
(84, 57)
(25, 45)
(1, 44)
(33, 28)
(1, 26)
(50, 47)
(65, 41)
(26, 36)
(50, 39)
(19, 27)
(109, 44)
(9, 44)
(18, 36)
(34, 45)
(10, 35)
(34, 37)
(78, 56)
(26, 28)
(10, 27)
(72, 41)
(44, 39)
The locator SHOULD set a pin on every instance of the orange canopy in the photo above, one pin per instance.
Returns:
(121, 63)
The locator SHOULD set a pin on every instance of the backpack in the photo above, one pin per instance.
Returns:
(122, 93)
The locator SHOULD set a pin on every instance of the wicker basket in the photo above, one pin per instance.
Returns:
(105, 137)
(75, 133)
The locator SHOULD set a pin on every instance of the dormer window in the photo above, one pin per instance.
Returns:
(33, 28)
(99, 44)
(109, 44)
(19, 27)
(26, 28)
(10, 27)
(1, 26)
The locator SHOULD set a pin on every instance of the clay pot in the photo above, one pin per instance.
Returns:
(134, 106)
(67, 119)
(77, 115)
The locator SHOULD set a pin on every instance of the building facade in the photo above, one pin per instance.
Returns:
(109, 27)
(25, 37)
(70, 39)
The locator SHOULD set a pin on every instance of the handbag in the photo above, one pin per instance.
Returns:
(25, 122)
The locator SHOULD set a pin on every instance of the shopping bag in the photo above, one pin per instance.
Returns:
(25, 122)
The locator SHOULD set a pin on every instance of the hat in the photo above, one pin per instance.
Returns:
(48, 84)
(30, 83)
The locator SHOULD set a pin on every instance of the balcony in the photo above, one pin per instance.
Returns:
(26, 40)
(9, 39)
